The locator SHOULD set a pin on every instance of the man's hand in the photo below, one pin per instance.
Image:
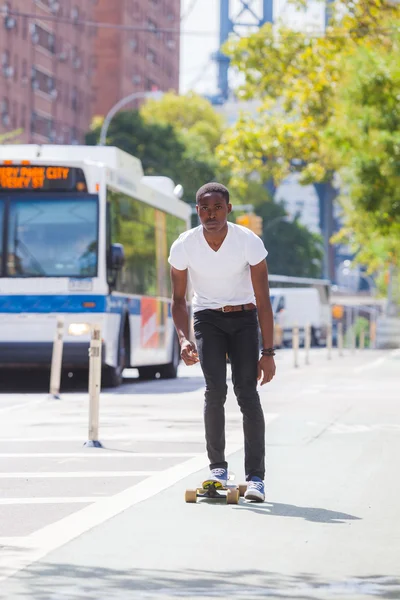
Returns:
(189, 353)
(266, 369)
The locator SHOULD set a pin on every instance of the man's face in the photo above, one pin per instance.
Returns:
(213, 211)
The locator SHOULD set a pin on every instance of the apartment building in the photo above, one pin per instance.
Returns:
(143, 55)
(58, 69)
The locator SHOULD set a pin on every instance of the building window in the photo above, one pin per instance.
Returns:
(151, 86)
(75, 14)
(43, 38)
(23, 116)
(5, 112)
(15, 115)
(8, 70)
(15, 67)
(151, 56)
(42, 125)
(151, 26)
(24, 73)
(74, 99)
(43, 82)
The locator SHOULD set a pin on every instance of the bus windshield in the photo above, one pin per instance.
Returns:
(52, 236)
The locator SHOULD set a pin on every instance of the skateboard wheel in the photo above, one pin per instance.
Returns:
(232, 496)
(191, 496)
(242, 489)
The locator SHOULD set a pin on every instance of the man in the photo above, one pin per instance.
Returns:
(228, 272)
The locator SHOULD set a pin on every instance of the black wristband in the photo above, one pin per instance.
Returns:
(268, 352)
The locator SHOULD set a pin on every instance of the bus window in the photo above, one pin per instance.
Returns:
(52, 237)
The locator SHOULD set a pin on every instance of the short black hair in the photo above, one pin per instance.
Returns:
(209, 188)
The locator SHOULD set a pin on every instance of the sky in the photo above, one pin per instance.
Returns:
(200, 37)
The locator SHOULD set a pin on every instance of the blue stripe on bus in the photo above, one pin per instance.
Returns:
(79, 303)
(82, 303)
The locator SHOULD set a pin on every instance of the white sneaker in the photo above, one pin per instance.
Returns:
(255, 490)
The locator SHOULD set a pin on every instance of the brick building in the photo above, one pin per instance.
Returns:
(57, 70)
(143, 58)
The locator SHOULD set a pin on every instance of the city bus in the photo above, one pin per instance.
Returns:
(85, 235)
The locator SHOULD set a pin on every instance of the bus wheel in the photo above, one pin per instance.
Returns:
(112, 376)
(170, 371)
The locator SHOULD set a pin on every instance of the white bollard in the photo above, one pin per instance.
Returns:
(362, 339)
(56, 360)
(340, 338)
(329, 341)
(295, 344)
(307, 342)
(94, 388)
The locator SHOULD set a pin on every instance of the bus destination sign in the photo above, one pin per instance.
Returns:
(42, 178)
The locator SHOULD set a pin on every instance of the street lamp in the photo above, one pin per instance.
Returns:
(117, 107)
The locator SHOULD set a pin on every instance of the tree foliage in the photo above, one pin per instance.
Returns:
(328, 104)
(188, 114)
(292, 248)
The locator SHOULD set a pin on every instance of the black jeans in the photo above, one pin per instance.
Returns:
(234, 334)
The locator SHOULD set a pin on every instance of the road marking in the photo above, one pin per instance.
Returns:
(98, 454)
(161, 436)
(75, 474)
(55, 500)
(38, 544)
(23, 405)
(370, 365)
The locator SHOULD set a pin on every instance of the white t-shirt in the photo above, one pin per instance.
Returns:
(219, 278)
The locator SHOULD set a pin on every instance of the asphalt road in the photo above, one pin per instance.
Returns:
(79, 523)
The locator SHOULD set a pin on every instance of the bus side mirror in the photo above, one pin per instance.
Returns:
(117, 257)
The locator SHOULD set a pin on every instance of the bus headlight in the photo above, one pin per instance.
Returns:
(78, 329)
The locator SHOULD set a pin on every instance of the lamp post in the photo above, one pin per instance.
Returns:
(117, 107)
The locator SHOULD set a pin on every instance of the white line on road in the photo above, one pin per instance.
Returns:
(370, 365)
(55, 500)
(161, 436)
(75, 474)
(37, 545)
(23, 405)
(98, 454)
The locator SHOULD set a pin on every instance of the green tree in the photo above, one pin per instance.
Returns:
(188, 113)
(292, 248)
(162, 150)
(301, 82)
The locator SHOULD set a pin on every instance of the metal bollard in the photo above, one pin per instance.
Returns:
(329, 341)
(56, 360)
(340, 338)
(362, 339)
(94, 388)
(307, 342)
(295, 344)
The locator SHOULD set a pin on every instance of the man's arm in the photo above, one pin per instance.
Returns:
(180, 315)
(259, 278)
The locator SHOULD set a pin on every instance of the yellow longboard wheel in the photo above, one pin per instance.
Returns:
(242, 489)
(232, 496)
(191, 496)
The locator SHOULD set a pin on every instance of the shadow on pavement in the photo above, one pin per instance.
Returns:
(47, 581)
(315, 515)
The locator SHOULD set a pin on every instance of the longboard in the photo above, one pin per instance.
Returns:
(215, 490)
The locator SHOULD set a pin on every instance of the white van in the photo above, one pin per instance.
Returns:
(298, 306)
